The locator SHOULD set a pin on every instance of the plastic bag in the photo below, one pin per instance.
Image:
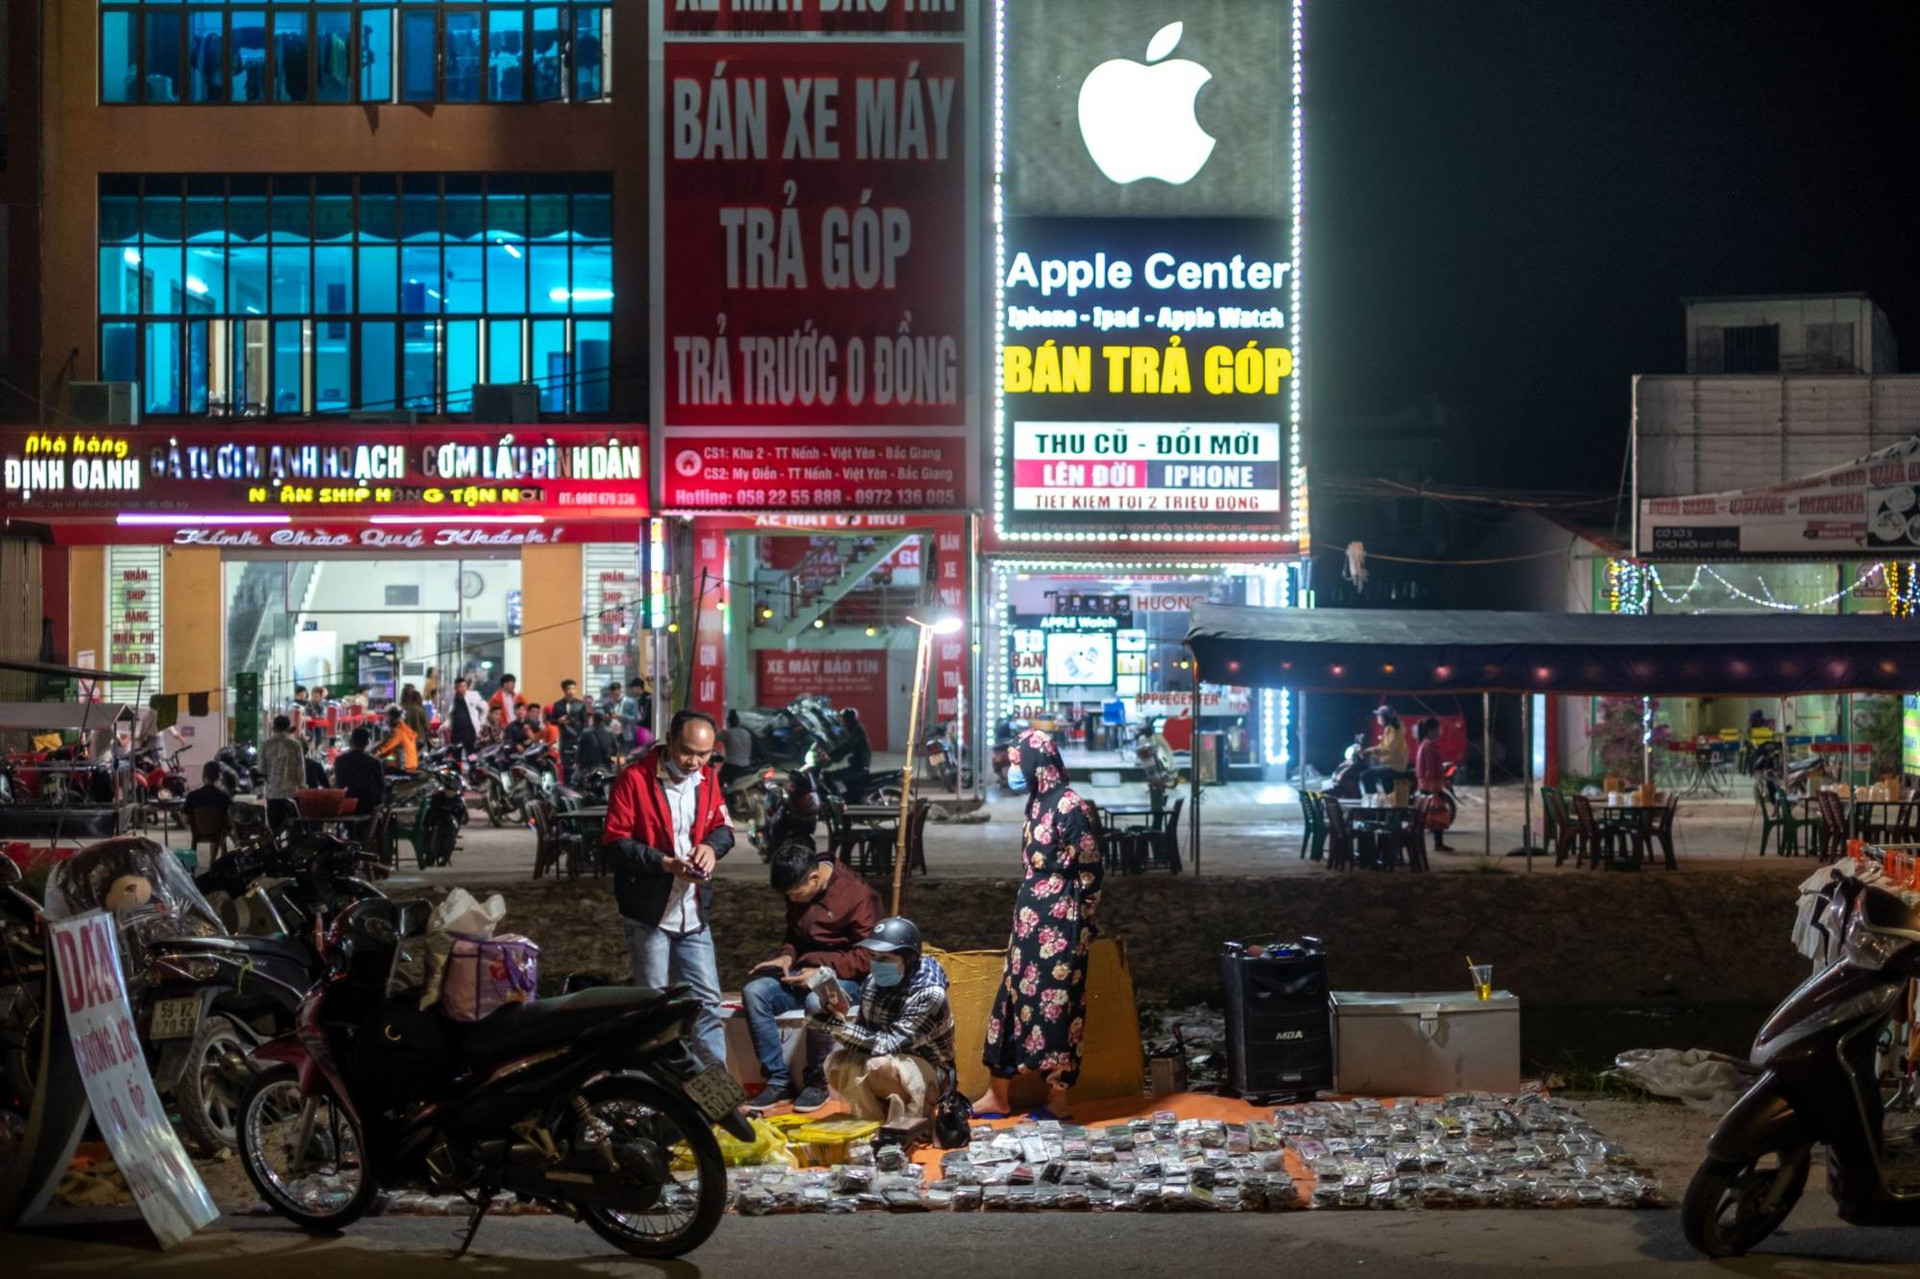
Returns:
(463, 914)
(1709, 1082)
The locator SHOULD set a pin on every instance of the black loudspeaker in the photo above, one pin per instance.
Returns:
(1279, 1027)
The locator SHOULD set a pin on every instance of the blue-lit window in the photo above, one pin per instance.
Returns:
(295, 294)
(339, 51)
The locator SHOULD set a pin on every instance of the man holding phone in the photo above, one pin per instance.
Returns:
(666, 829)
(830, 911)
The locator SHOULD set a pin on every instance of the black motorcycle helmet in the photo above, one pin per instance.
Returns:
(896, 935)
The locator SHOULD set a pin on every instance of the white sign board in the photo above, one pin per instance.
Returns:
(120, 1089)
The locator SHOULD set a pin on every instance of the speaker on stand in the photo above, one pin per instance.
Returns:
(1279, 1027)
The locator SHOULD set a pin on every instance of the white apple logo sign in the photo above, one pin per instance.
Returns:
(1137, 119)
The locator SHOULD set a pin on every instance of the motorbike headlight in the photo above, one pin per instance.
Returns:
(162, 969)
(1868, 1003)
(1869, 949)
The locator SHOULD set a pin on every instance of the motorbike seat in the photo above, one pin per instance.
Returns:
(525, 1028)
(265, 948)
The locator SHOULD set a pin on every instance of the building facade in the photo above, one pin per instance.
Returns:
(726, 344)
(301, 234)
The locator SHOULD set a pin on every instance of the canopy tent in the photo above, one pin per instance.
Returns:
(1389, 651)
(1350, 650)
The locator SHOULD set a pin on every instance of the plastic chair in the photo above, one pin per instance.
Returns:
(1313, 810)
(1412, 838)
(1769, 816)
(1339, 837)
(209, 826)
(1660, 831)
(1555, 834)
(1161, 841)
(1597, 842)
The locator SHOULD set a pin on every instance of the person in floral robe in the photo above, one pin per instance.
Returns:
(1039, 1016)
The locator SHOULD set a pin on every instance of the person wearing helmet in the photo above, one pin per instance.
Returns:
(895, 1053)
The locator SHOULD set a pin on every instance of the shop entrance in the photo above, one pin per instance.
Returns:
(370, 627)
(1094, 656)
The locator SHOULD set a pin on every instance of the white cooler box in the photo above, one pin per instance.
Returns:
(1403, 1044)
(741, 1062)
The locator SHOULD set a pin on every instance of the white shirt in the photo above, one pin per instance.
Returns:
(682, 914)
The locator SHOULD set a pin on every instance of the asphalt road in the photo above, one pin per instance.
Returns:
(1429, 1245)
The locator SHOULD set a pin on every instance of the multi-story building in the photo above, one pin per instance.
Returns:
(288, 240)
(1776, 475)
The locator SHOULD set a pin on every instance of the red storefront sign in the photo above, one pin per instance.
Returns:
(846, 677)
(812, 243)
(146, 483)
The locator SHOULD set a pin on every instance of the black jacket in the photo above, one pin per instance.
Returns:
(359, 774)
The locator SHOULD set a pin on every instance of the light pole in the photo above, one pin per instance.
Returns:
(946, 625)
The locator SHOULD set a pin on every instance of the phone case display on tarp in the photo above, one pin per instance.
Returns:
(1409, 1044)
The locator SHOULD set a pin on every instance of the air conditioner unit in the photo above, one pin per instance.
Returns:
(385, 417)
(503, 403)
(105, 403)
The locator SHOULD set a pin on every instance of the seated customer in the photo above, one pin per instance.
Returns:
(896, 1054)
(830, 910)
(210, 793)
(359, 774)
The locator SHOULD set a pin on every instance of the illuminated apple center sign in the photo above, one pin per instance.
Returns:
(1147, 271)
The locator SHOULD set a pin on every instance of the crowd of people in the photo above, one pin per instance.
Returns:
(879, 1025)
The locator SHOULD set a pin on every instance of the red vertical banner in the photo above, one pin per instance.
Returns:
(950, 651)
(708, 689)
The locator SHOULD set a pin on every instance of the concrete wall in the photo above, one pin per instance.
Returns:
(1872, 352)
(1734, 431)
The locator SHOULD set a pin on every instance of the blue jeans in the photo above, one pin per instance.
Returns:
(765, 999)
(660, 959)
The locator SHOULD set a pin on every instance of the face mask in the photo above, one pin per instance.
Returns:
(674, 771)
(1016, 781)
(887, 973)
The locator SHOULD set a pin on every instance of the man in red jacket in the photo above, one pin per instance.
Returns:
(666, 829)
(830, 911)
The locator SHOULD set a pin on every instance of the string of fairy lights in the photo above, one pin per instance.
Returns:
(1632, 588)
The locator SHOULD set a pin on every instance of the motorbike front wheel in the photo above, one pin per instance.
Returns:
(668, 1149)
(1733, 1204)
(307, 1156)
(495, 797)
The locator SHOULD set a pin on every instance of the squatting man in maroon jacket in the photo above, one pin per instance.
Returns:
(830, 911)
(666, 829)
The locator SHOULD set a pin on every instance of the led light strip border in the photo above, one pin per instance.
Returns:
(1297, 531)
(1280, 586)
(1631, 588)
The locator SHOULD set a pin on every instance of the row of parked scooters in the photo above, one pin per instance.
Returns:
(279, 1001)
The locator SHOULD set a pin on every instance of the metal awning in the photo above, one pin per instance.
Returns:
(1597, 654)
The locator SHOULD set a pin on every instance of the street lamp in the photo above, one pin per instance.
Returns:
(946, 624)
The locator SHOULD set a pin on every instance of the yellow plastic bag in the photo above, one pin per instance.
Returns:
(769, 1146)
(825, 1142)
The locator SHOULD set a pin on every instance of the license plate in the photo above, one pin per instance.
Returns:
(174, 1019)
(715, 1092)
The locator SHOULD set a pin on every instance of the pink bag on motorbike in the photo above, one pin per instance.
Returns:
(485, 974)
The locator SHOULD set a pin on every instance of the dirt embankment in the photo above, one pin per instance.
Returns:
(1615, 940)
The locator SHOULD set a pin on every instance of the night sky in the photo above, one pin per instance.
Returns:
(1508, 198)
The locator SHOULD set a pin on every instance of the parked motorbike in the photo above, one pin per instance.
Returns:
(782, 738)
(881, 786)
(488, 775)
(593, 1104)
(532, 775)
(425, 809)
(197, 1061)
(946, 768)
(157, 776)
(240, 763)
(23, 988)
(1820, 1054)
